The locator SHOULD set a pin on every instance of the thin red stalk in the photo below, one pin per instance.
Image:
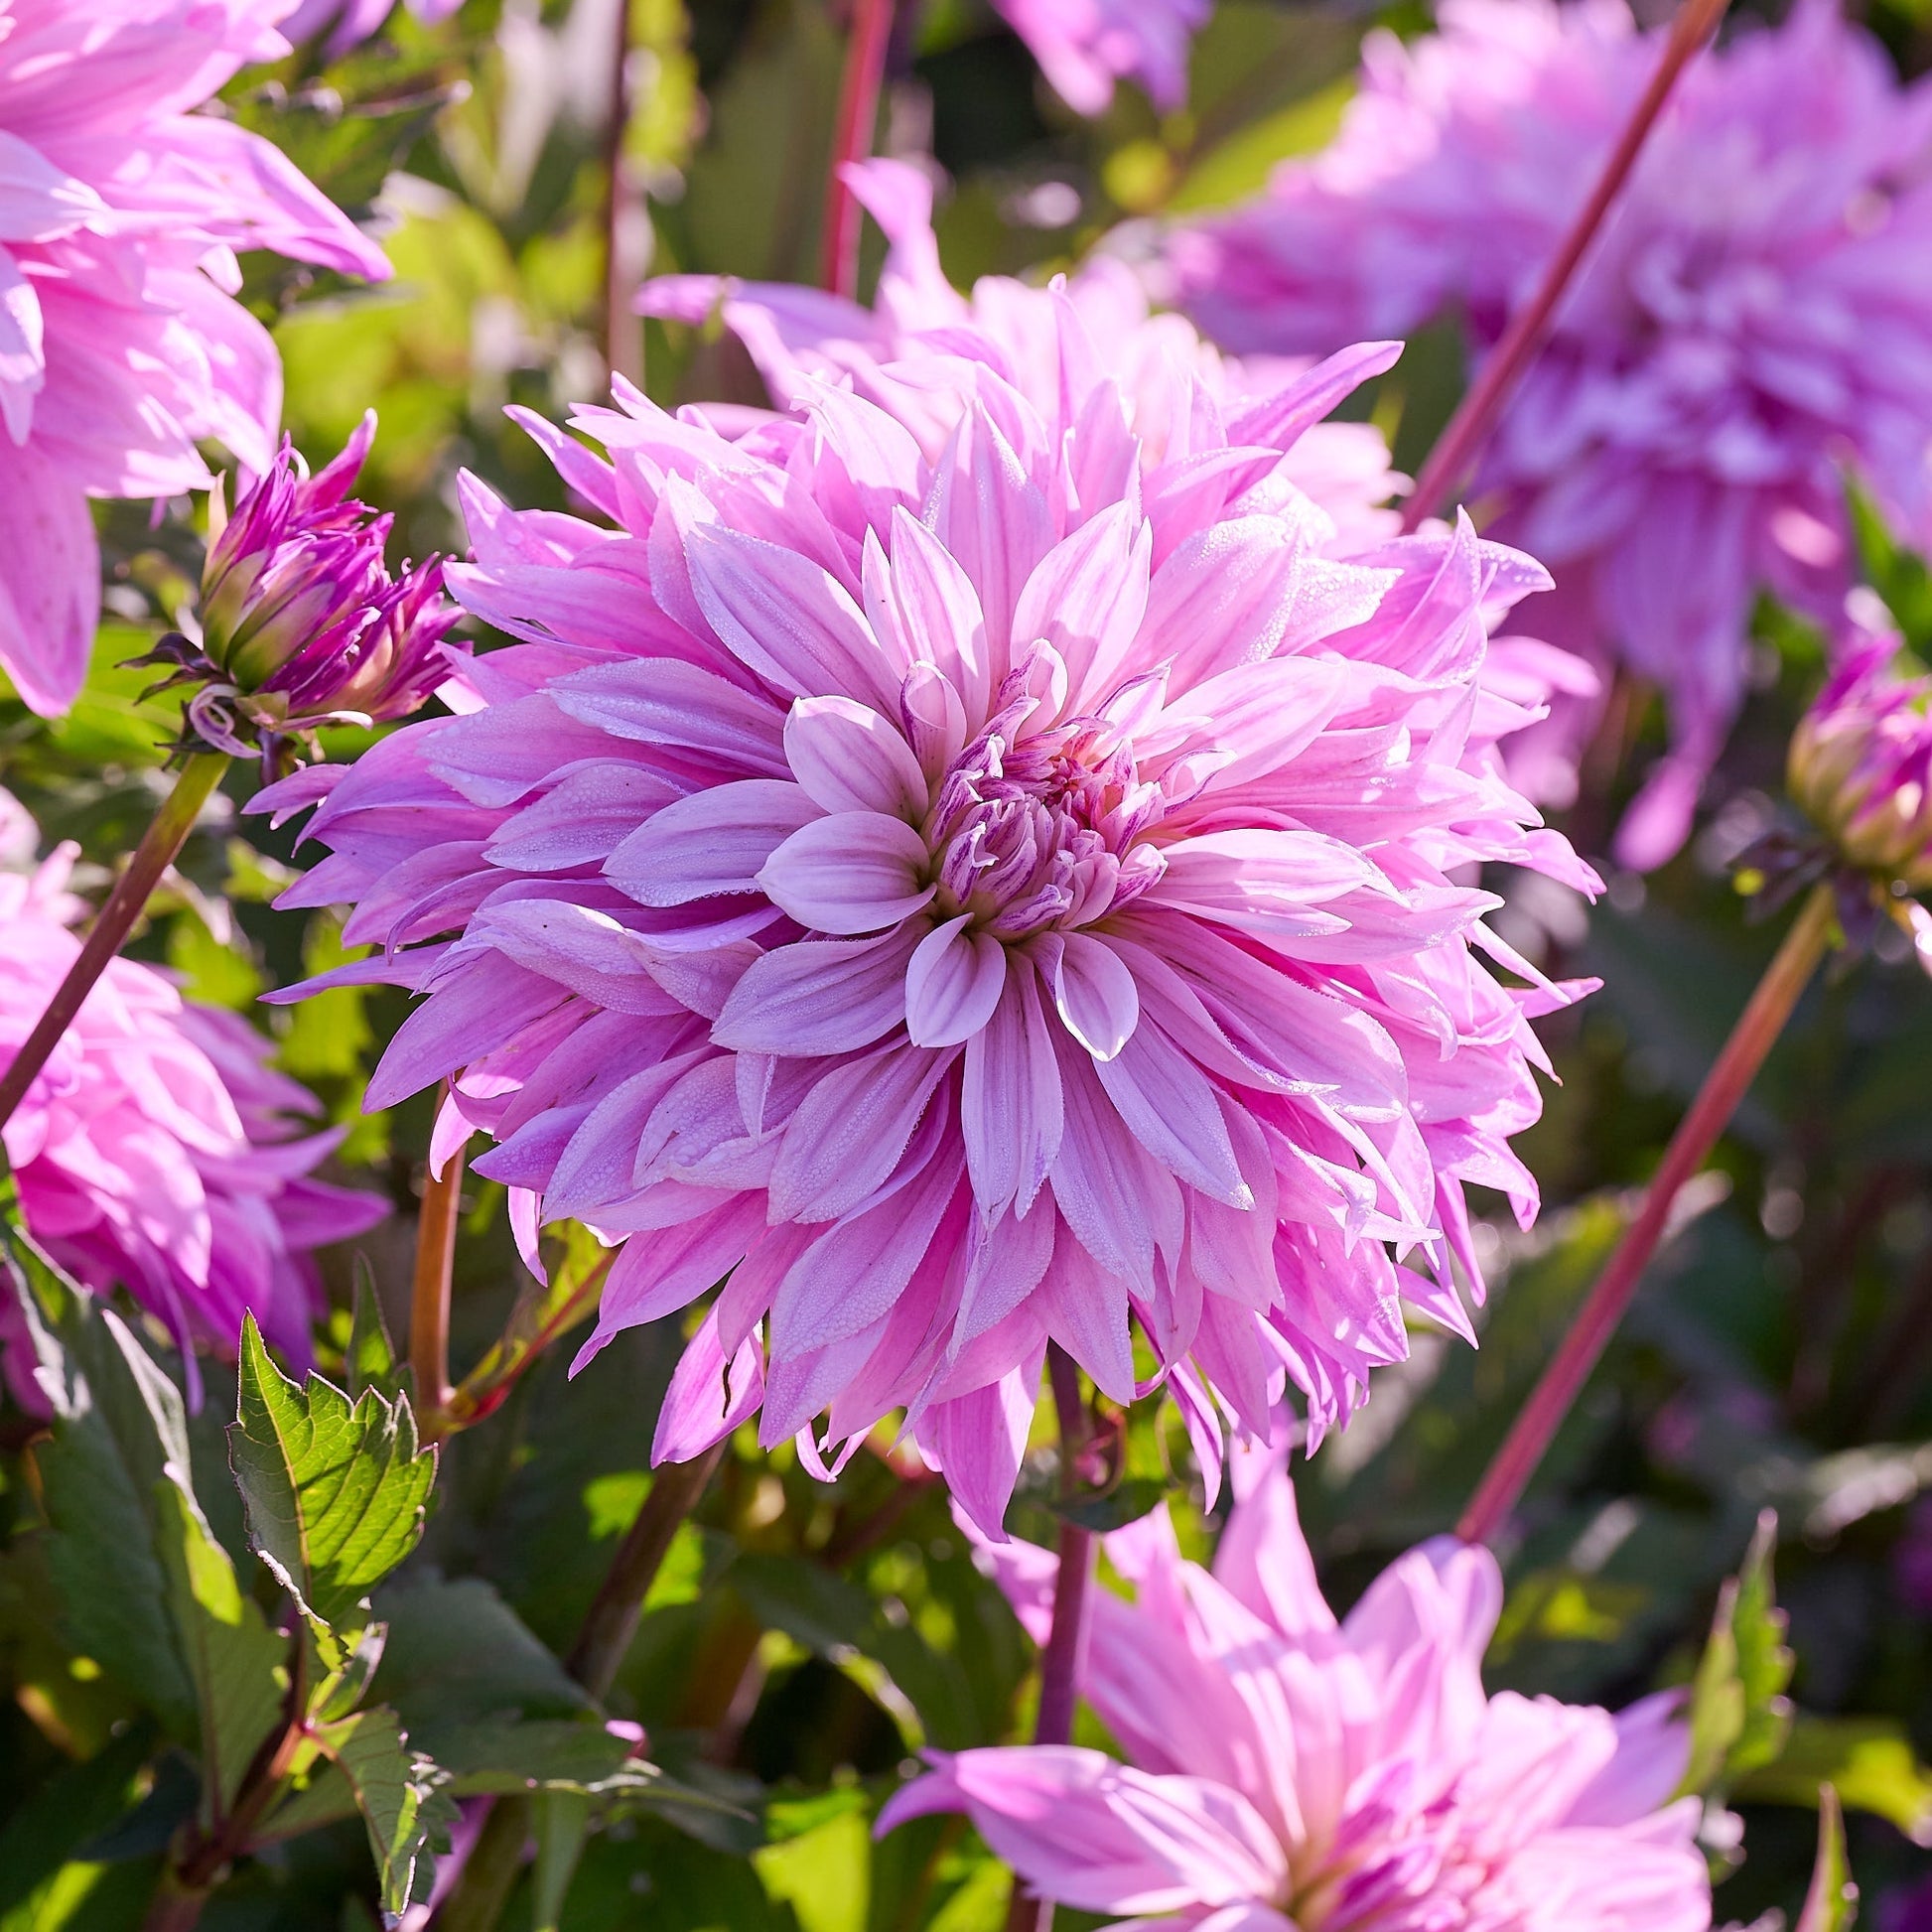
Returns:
(1060, 1664)
(1468, 429)
(1754, 1036)
(865, 71)
(429, 1301)
(624, 329)
(167, 833)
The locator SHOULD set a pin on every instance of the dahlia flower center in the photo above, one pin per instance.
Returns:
(1039, 829)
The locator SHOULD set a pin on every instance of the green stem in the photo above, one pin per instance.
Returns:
(1754, 1036)
(166, 835)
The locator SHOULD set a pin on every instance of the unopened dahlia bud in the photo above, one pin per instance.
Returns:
(302, 623)
(1861, 767)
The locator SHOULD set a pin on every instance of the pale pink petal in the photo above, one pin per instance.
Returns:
(1094, 994)
(719, 840)
(854, 872)
(848, 758)
(953, 983)
(819, 995)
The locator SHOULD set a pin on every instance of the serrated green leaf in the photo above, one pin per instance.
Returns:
(1869, 1761)
(400, 1795)
(335, 1490)
(370, 1359)
(1740, 1715)
(1832, 1902)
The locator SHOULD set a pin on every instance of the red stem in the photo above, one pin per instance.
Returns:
(865, 71)
(1468, 429)
(1754, 1036)
(160, 845)
(1059, 1665)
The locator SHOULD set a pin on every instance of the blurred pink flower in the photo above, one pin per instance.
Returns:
(348, 22)
(1289, 1773)
(1758, 310)
(894, 353)
(120, 344)
(1084, 45)
(967, 896)
(155, 1152)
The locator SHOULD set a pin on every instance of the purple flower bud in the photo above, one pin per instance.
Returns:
(1860, 767)
(302, 623)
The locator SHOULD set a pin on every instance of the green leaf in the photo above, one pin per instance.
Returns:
(400, 1795)
(1869, 1761)
(1832, 1902)
(457, 1654)
(1740, 1715)
(150, 1593)
(236, 1663)
(335, 1490)
(562, 1820)
(824, 1874)
(369, 1361)
(69, 1808)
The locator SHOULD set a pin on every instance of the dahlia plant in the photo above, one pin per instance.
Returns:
(977, 898)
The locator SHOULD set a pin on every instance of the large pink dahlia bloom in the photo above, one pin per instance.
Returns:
(1291, 1773)
(1758, 310)
(1084, 45)
(122, 346)
(155, 1151)
(970, 898)
(895, 352)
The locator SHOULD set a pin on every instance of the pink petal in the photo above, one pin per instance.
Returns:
(714, 842)
(1009, 1106)
(851, 872)
(850, 1131)
(848, 758)
(953, 984)
(979, 1440)
(1174, 1112)
(1086, 598)
(1095, 995)
(707, 1398)
(819, 995)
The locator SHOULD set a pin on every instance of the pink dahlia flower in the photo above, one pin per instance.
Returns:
(155, 1151)
(971, 898)
(1291, 1773)
(120, 344)
(1758, 310)
(1084, 45)
(347, 24)
(895, 354)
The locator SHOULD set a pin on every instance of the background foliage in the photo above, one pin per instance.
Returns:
(803, 1640)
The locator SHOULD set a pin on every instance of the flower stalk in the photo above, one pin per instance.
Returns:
(1059, 1665)
(864, 73)
(1476, 417)
(160, 846)
(1770, 1005)
(429, 1301)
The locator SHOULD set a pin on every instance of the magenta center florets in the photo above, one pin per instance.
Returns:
(1037, 829)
